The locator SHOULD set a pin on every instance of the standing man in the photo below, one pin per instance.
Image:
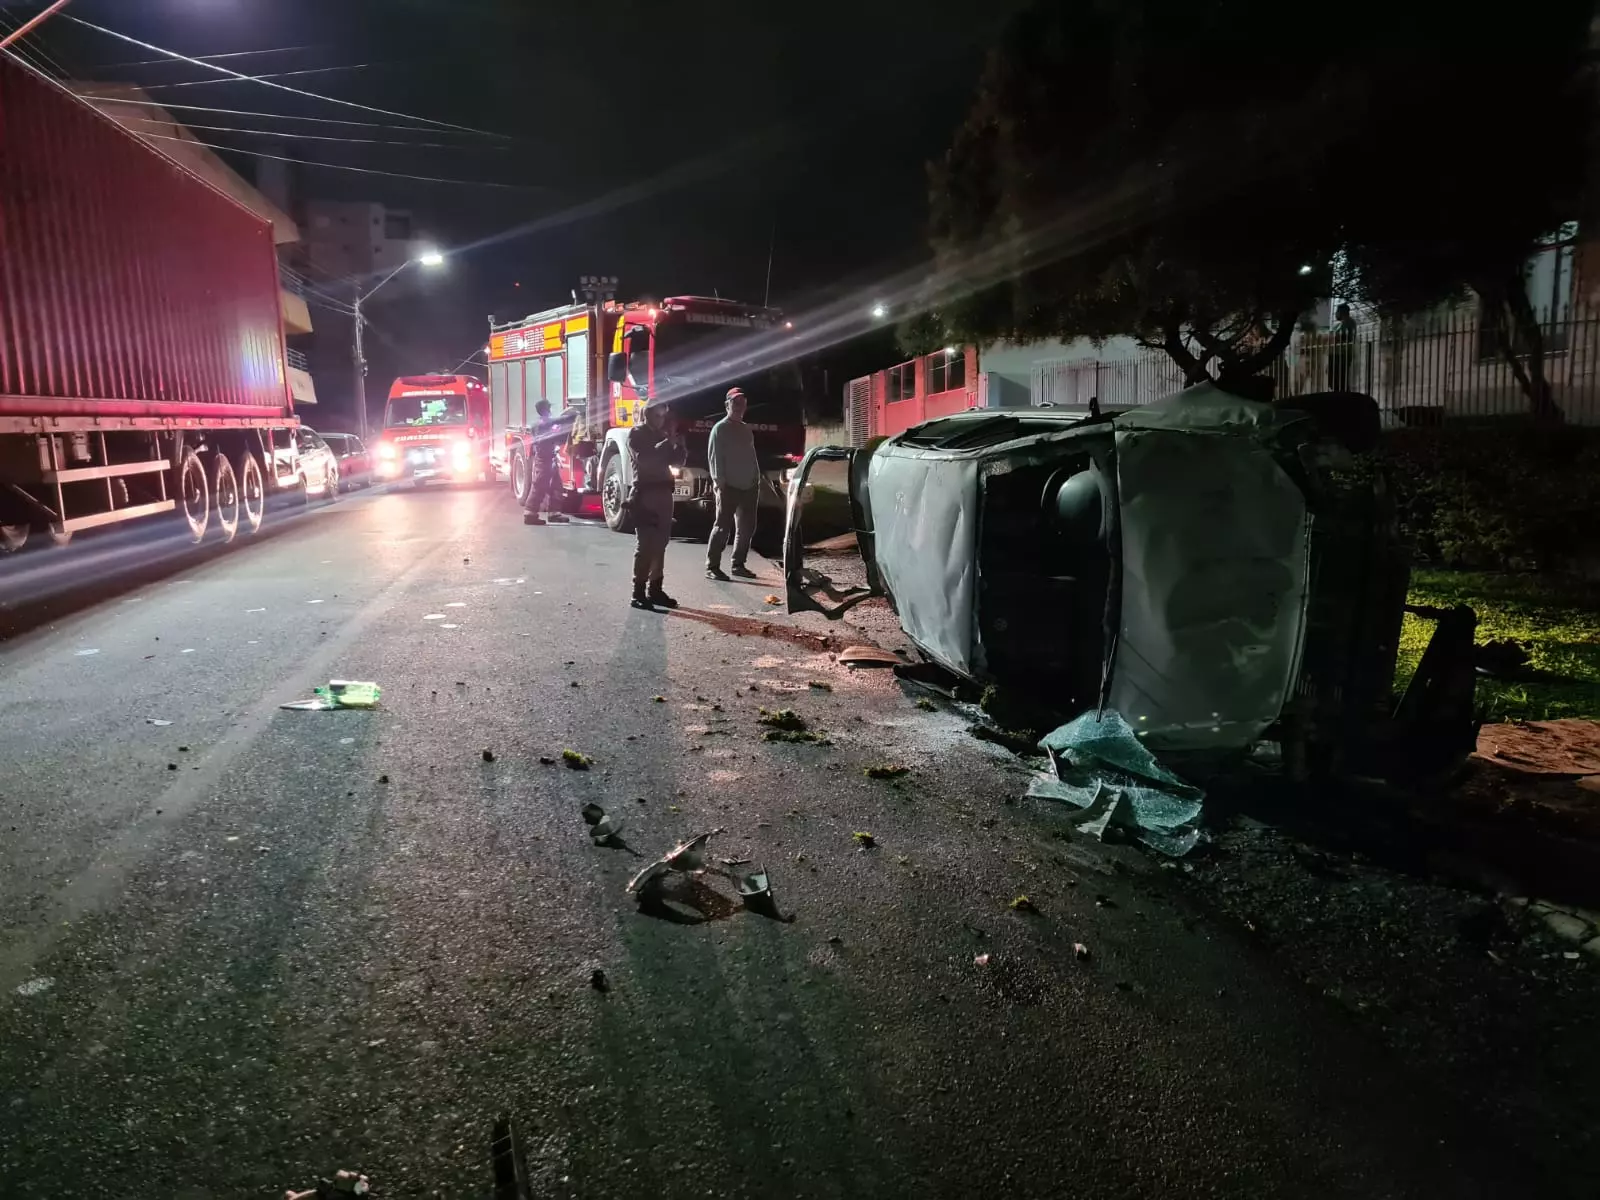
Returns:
(1342, 361)
(542, 483)
(736, 476)
(654, 448)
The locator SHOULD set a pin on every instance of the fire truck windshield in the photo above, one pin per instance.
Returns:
(695, 357)
(427, 410)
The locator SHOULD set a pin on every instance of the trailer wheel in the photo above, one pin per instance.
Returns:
(612, 494)
(252, 491)
(519, 475)
(225, 488)
(194, 494)
(13, 538)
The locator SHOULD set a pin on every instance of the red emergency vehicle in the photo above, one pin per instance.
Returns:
(598, 363)
(436, 427)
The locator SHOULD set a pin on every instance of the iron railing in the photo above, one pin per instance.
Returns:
(1423, 370)
(297, 360)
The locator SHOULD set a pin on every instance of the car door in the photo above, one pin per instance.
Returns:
(357, 461)
(315, 458)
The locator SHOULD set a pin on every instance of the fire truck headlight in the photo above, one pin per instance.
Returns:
(387, 451)
(460, 454)
(677, 472)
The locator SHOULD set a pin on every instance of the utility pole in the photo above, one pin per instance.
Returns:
(360, 369)
(772, 241)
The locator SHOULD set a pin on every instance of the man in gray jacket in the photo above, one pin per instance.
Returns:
(736, 476)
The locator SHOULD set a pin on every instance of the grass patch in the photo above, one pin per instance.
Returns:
(576, 761)
(786, 725)
(1556, 620)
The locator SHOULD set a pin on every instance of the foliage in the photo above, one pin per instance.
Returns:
(1556, 620)
(1506, 497)
(1166, 170)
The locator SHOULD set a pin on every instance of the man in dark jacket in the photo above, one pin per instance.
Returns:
(543, 486)
(654, 449)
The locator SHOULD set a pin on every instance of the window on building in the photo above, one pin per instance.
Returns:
(397, 227)
(947, 371)
(902, 382)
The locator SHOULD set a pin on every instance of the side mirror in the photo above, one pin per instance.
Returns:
(617, 367)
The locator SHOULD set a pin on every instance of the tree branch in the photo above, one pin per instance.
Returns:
(1517, 312)
(1194, 369)
(1276, 345)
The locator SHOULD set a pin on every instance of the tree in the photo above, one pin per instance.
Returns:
(1188, 174)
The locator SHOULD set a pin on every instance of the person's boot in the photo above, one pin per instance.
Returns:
(532, 519)
(640, 599)
(715, 571)
(556, 518)
(660, 599)
(743, 572)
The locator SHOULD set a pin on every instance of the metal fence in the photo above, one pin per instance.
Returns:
(1421, 371)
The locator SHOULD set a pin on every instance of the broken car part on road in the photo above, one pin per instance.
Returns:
(1207, 566)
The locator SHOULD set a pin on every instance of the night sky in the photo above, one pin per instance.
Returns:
(663, 143)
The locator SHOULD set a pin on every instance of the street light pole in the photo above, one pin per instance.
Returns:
(428, 258)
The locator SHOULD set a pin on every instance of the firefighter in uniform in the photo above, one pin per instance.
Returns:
(654, 448)
(543, 485)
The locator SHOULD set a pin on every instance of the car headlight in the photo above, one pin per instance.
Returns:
(677, 472)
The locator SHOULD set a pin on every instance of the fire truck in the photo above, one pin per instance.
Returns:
(599, 363)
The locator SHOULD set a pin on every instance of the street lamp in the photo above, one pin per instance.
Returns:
(429, 259)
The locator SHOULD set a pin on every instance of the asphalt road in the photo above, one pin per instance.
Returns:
(246, 946)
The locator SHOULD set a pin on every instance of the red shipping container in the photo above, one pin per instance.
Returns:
(128, 286)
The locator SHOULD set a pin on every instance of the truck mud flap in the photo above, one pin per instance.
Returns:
(802, 586)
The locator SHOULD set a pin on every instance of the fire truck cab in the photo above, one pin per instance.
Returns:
(600, 364)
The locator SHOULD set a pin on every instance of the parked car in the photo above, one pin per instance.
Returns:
(355, 460)
(319, 465)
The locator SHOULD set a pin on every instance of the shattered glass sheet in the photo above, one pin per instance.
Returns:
(1103, 770)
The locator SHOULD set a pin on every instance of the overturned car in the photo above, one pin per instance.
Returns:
(1219, 571)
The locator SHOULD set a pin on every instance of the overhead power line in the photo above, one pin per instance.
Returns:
(153, 62)
(316, 137)
(272, 75)
(266, 116)
(310, 162)
(22, 31)
(281, 87)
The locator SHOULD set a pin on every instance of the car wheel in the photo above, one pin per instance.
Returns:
(613, 493)
(331, 489)
(519, 475)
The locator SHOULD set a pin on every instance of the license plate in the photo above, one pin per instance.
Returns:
(682, 489)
